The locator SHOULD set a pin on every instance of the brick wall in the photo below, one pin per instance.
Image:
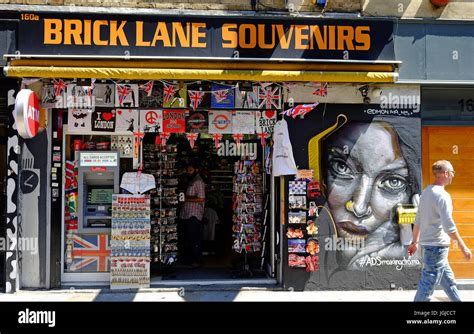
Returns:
(263, 5)
(456, 9)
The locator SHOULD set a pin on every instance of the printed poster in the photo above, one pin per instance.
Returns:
(247, 99)
(104, 95)
(103, 120)
(199, 96)
(79, 120)
(126, 95)
(127, 120)
(49, 98)
(151, 120)
(197, 122)
(265, 121)
(243, 122)
(80, 96)
(151, 95)
(174, 121)
(174, 96)
(220, 121)
(222, 97)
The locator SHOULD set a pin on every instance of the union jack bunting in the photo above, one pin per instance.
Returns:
(147, 88)
(196, 98)
(168, 92)
(123, 91)
(300, 110)
(269, 98)
(91, 253)
(220, 95)
(59, 86)
(322, 90)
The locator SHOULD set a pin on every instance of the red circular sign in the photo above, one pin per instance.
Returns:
(27, 113)
(221, 122)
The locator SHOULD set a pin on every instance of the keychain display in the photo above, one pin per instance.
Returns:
(130, 242)
(298, 217)
(160, 160)
(303, 245)
(247, 206)
(297, 202)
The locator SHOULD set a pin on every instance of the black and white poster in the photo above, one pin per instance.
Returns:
(103, 120)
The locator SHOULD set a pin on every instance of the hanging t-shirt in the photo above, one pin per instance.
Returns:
(283, 160)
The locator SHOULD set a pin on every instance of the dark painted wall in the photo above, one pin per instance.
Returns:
(368, 164)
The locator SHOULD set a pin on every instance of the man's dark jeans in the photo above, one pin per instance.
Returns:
(190, 245)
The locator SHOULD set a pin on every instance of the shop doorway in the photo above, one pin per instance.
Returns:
(234, 227)
(455, 144)
(236, 185)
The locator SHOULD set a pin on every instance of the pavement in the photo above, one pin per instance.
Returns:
(207, 294)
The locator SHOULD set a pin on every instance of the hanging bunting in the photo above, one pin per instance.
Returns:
(322, 90)
(148, 87)
(126, 95)
(269, 98)
(192, 137)
(168, 92)
(195, 97)
(164, 138)
(237, 138)
(138, 138)
(157, 140)
(263, 136)
(300, 110)
(265, 84)
(217, 137)
(223, 96)
(59, 86)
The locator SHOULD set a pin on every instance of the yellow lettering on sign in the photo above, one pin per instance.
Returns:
(183, 37)
(362, 35)
(230, 38)
(284, 40)
(53, 31)
(96, 32)
(252, 33)
(345, 36)
(161, 34)
(72, 30)
(139, 35)
(261, 37)
(118, 33)
(317, 35)
(198, 35)
(300, 37)
(87, 32)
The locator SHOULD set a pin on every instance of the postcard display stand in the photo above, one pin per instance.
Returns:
(247, 205)
(130, 244)
(160, 160)
(302, 230)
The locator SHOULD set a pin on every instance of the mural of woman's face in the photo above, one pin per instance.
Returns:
(367, 176)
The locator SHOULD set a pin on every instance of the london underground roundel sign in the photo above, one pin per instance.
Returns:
(27, 113)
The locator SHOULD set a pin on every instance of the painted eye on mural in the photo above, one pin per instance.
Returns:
(340, 168)
(394, 183)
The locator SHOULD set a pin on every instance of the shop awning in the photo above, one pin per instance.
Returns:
(168, 70)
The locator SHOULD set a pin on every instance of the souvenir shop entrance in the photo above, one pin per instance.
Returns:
(205, 161)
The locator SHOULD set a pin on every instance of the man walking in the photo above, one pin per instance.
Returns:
(434, 228)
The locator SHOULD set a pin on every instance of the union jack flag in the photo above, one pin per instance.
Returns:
(147, 88)
(322, 90)
(169, 91)
(269, 98)
(123, 91)
(196, 98)
(300, 110)
(59, 86)
(220, 95)
(91, 253)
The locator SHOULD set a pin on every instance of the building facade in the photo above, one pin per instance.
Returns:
(369, 73)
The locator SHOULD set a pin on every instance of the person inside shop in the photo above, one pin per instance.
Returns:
(191, 215)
